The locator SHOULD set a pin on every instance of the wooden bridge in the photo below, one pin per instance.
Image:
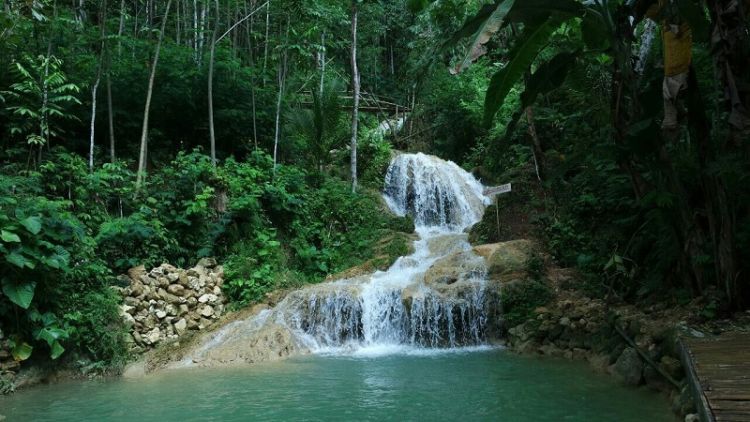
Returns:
(718, 373)
(368, 102)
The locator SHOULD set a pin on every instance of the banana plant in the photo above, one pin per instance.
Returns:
(540, 19)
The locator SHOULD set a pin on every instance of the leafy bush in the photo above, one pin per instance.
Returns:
(521, 298)
(139, 238)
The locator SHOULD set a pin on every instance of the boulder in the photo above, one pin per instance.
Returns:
(506, 257)
(207, 311)
(629, 367)
(672, 366)
(208, 298)
(176, 289)
(454, 267)
(207, 262)
(136, 273)
(180, 326)
(153, 336)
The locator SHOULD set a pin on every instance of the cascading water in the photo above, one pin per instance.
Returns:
(405, 306)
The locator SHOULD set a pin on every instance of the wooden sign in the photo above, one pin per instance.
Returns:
(497, 190)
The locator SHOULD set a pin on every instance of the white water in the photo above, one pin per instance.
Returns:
(394, 311)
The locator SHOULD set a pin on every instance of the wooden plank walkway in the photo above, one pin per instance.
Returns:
(718, 370)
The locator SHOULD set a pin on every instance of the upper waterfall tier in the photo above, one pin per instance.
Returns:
(435, 192)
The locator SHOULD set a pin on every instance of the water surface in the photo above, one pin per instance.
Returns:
(413, 384)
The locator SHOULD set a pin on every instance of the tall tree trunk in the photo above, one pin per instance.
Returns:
(211, 87)
(265, 42)
(121, 27)
(201, 33)
(144, 133)
(195, 31)
(282, 81)
(355, 87)
(95, 88)
(536, 143)
(110, 120)
(322, 62)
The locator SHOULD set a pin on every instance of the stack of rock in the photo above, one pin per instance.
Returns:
(166, 302)
(8, 365)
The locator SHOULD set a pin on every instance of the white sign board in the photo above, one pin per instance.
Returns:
(497, 190)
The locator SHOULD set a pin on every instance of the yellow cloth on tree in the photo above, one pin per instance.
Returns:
(677, 42)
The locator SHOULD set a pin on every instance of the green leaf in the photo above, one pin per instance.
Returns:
(22, 351)
(19, 293)
(548, 77)
(483, 34)
(32, 224)
(57, 350)
(9, 237)
(532, 41)
(19, 260)
(51, 335)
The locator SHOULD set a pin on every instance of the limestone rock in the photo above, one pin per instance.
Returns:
(208, 298)
(136, 273)
(672, 366)
(153, 336)
(176, 289)
(164, 303)
(452, 268)
(180, 326)
(207, 311)
(629, 366)
(505, 257)
(207, 262)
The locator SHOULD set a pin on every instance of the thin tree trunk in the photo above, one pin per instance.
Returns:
(322, 62)
(195, 31)
(110, 119)
(211, 87)
(121, 27)
(149, 92)
(201, 33)
(95, 88)
(265, 42)
(93, 118)
(537, 144)
(355, 87)
(282, 81)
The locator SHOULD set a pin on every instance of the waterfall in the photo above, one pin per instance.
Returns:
(435, 192)
(402, 307)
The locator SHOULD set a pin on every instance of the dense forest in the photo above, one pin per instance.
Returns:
(141, 132)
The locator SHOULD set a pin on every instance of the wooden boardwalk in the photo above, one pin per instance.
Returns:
(718, 370)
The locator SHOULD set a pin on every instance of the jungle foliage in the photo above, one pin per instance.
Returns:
(561, 97)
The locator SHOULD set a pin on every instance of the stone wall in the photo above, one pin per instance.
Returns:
(8, 366)
(167, 302)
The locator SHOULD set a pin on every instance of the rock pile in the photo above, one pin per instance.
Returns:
(166, 302)
(8, 366)
(577, 327)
